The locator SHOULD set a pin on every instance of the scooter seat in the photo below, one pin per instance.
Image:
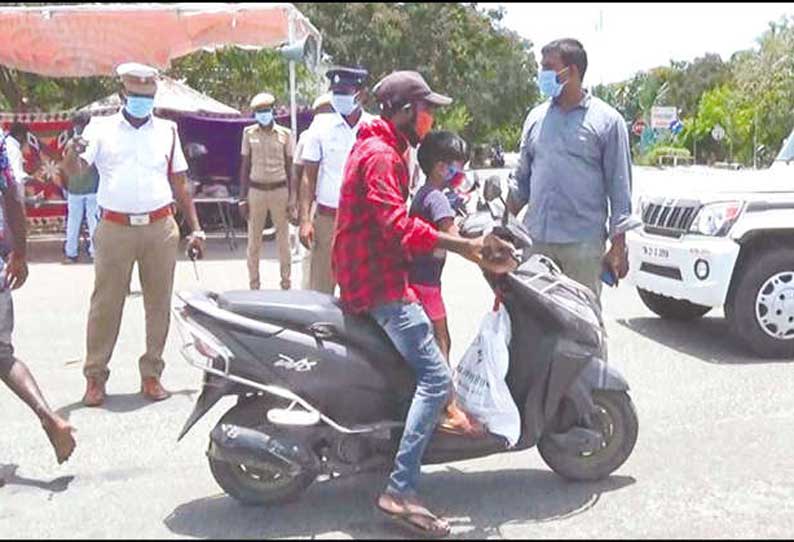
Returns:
(307, 310)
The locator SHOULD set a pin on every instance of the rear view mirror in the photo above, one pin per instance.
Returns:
(492, 189)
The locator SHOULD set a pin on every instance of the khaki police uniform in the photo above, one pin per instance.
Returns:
(269, 148)
(137, 226)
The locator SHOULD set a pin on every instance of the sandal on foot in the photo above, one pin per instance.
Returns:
(419, 520)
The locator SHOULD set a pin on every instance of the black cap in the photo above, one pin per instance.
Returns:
(407, 86)
(355, 77)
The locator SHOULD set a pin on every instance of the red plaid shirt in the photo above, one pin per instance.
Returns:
(375, 239)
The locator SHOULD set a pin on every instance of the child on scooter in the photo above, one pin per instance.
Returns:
(441, 157)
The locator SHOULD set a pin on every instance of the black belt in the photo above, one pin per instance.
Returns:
(266, 187)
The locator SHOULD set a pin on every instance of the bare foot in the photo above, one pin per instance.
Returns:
(59, 431)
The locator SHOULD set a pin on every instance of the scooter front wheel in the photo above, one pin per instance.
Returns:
(616, 419)
(256, 486)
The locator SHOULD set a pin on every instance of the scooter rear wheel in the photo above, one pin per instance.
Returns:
(616, 418)
(256, 487)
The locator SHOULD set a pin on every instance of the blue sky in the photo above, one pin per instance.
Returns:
(641, 36)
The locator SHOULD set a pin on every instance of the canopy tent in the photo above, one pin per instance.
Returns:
(172, 95)
(91, 39)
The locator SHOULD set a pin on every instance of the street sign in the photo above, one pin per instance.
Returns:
(638, 127)
(718, 132)
(676, 126)
(661, 117)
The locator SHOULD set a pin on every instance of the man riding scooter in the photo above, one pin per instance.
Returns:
(374, 241)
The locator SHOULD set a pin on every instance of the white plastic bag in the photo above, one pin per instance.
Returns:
(480, 378)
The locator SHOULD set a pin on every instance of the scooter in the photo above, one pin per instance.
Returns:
(323, 394)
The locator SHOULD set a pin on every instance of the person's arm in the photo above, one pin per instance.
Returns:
(179, 185)
(14, 211)
(519, 192)
(288, 153)
(297, 181)
(82, 151)
(184, 200)
(73, 164)
(307, 190)
(245, 175)
(64, 179)
(181, 190)
(311, 157)
(306, 196)
(616, 163)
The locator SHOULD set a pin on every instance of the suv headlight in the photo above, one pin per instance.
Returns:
(716, 219)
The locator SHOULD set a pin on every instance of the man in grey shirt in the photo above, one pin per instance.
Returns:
(575, 172)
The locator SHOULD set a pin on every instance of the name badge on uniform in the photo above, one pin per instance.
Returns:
(139, 220)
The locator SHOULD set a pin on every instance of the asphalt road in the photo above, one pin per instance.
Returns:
(713, 457)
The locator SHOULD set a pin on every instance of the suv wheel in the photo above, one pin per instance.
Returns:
(761, 311)
(670, 308)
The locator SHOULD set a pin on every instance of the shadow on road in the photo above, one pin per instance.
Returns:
(707, 339)
(120, 403)
(477, 504)
(9, 477)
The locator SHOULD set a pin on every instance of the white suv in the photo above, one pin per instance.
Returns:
(714, 238)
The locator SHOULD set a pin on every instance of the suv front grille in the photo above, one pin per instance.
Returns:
(669, 217)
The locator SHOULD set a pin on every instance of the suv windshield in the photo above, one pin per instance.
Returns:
(787, 152)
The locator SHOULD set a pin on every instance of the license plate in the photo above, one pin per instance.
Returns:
(655, 252)
(139, 220)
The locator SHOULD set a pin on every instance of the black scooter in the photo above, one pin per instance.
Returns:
(322, 394)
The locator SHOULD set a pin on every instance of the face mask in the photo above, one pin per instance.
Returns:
(139, 107)
(548, 85)
(264, 117)
(344, 104)
(424, 122)
(453, 177)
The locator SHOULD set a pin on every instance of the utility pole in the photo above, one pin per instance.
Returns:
(600, 32)
(695, 149)
(755, 141)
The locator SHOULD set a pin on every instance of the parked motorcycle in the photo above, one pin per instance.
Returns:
(322, 394)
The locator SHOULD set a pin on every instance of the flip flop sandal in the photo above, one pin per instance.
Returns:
(404, 519)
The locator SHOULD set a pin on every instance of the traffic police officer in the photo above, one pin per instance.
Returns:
(142, 169)
(265, 182)
(325, 149)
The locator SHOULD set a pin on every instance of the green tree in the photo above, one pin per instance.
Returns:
(689, 80)
(728, 107)
(766, 79)
(461, 51)
(233, 76)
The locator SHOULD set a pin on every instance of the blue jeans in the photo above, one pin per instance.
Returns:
(411, 332)
(79, 204)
